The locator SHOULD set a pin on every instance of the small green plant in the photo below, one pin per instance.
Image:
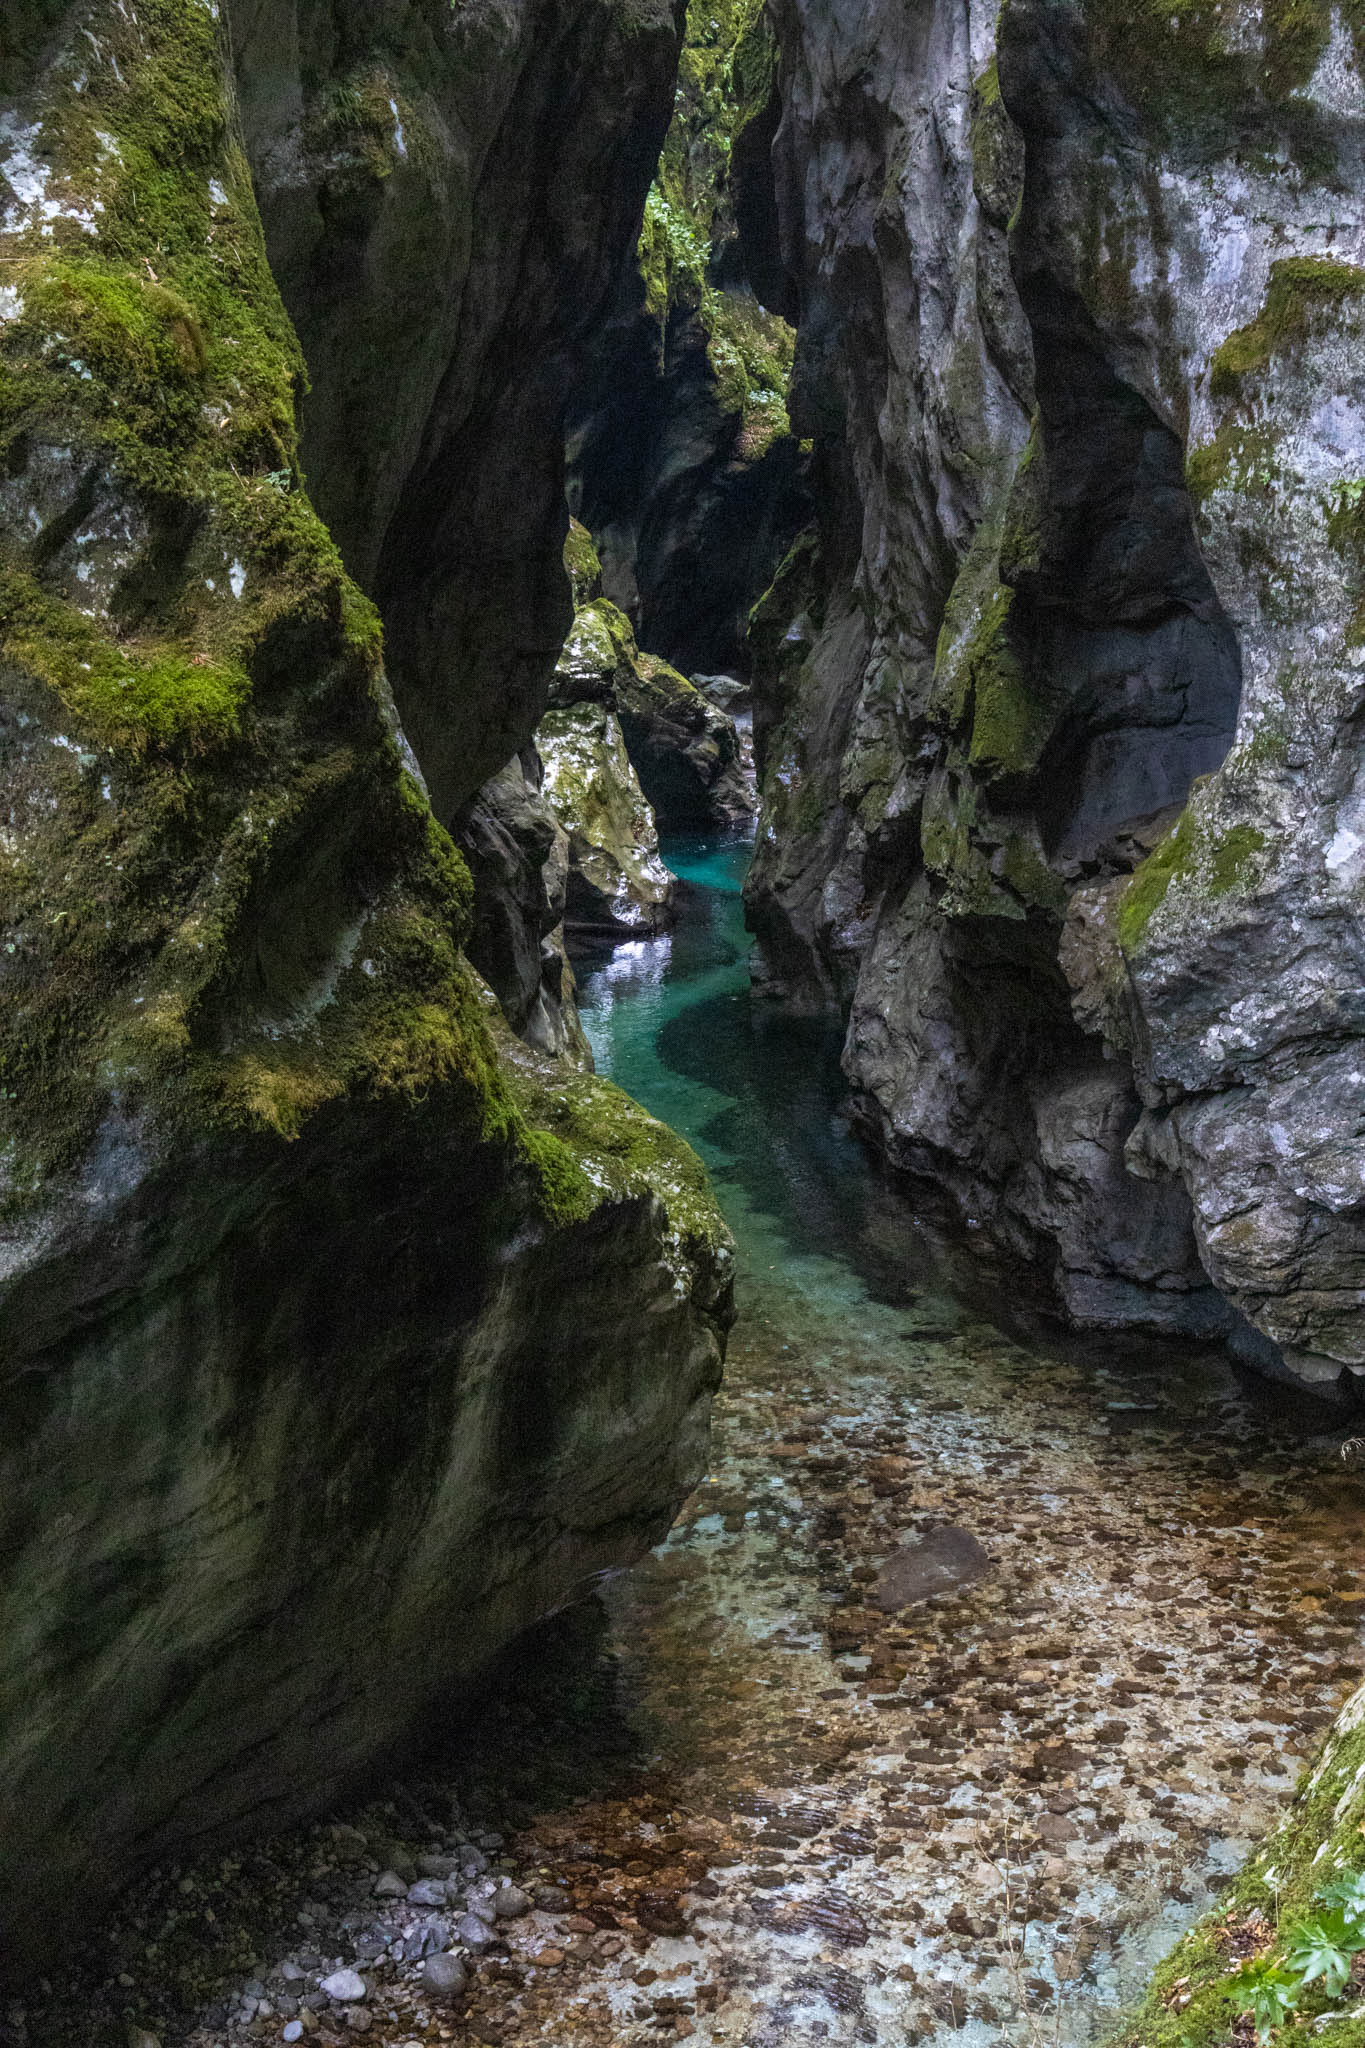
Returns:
(1318, 1951)
(1272, 1995)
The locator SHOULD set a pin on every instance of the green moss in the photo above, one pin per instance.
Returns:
(581, 565)
(1205, 866)
(725, 76)
(119, 695)
(1021, 534)
(1197, 1995)
(1022, 865)
(1204, 83)
(1300, 289)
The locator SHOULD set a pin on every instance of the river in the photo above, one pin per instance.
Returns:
(751, 1807)
(985, 1818)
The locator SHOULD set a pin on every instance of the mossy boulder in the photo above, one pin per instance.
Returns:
(617, 883)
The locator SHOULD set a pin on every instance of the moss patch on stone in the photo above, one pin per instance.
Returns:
(1300, 289)
(1207, 865)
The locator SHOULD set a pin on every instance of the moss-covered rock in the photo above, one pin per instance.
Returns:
(386, 1357)
(617, 883)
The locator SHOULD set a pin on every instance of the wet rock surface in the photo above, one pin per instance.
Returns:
(741, 1804)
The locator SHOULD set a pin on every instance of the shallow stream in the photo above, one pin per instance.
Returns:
(751, 1807)
(983, 1818)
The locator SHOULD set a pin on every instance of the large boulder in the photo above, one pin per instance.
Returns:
(340, 1335)
(616, 883)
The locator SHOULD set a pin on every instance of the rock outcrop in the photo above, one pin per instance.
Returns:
(340, 1336)
(1059, 724)
(682, 461)
(451, 199)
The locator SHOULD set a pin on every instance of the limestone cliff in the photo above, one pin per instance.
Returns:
(339, 1336)
(1060, 722)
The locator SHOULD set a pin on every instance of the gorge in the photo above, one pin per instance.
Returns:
(960, 419)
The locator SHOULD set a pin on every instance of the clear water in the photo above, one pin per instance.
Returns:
(758, 1093)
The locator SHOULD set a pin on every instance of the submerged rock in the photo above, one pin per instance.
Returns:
(937, 1563)
(341, 1334)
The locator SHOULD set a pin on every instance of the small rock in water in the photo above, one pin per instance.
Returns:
(390, 1886)
(293, 2032)
(444, 1976)
(428, 1891)
(473, 1932)
(510, 1903)
(946, 1558)
(345, 1987)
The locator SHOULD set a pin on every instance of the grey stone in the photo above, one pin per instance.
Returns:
(510, 1902)
(473, 1932)
(443, 1977)
(939, 1562)
(389, 1886)
(345, 1987)
(428, 1891)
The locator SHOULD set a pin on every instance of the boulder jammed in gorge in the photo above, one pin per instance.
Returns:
(616, 882)
(1059, 715)
(682, 461)
(340, 1335)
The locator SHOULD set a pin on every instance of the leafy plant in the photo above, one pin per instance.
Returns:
(1322, 1951)
(1273, 1995)
(1347, 1895)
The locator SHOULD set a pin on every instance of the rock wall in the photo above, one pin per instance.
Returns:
(1059, 724)
(682, 462)
(451, 197)
(340, 1336)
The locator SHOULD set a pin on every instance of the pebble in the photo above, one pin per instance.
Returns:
(473, 1932)
(444, 1976)
(511, 1903)
(390, 1886)
(293, 2032)
(428, 1891)
(345, 1987)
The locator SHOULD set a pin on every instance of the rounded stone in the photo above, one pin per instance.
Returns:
(443, 1976)
(510, 1903)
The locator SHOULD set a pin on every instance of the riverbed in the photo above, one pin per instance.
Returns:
(753, 1807)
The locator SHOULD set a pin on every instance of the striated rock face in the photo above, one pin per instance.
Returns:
(1059, 724)
(450, 198)
(340, 1336)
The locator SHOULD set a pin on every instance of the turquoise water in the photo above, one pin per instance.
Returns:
(757, 1092)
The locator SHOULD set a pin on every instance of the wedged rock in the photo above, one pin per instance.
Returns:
(684, 749)
(616, 883)
(341, 1335)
